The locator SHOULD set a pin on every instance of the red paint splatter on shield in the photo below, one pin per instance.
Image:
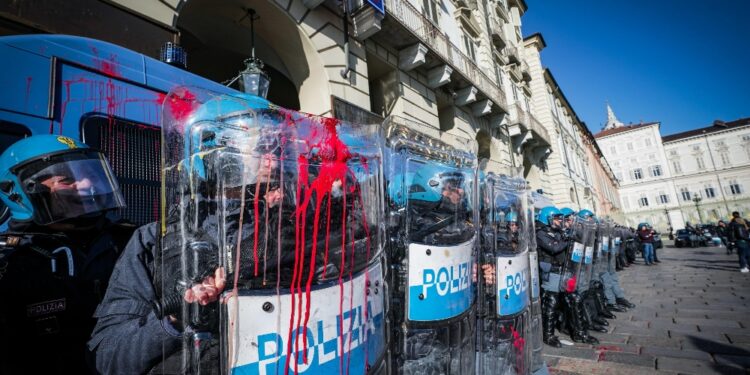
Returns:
(328, 182)
(519, 344)
(570, 287)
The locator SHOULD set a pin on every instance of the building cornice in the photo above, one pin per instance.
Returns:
(705, 134)
(710, 173)
(535, 39)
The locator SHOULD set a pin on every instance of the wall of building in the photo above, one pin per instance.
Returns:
(716, 167)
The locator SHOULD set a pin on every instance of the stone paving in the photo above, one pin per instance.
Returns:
(692, 317)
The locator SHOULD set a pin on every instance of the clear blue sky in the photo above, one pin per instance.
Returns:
(683, 63)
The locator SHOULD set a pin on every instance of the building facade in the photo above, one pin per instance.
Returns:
(605, 185)
(710, 170)
(459, 67)
(569, 164)
(667, 181)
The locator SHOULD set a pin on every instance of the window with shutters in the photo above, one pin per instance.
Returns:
(655, 170)
(637, 174)
(430, 9)
(725, 158)
(663, 198)
(734, 187)
(685, 194)
(710, 193)
(643, 202)
(676, 166)
(700, 162)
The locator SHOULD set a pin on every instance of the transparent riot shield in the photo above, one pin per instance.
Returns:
(587, 269)
(503, 326)
(618, 246)
(603, 248)
(279, 213)
(578, 235)
(431, 197)
(535, 316)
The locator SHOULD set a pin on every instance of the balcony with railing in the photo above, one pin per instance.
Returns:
(514, 54)
(406, 24)
(498, 35)
(521, 122)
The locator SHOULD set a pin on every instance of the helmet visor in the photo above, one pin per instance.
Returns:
(70, 185)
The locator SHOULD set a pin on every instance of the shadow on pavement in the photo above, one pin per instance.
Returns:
(730, 261)
(717, 268)
(732, 354)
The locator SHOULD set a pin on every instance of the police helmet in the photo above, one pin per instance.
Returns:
(511, 217)
(202, 134)
(425, 185)
(585, 214)
(567, 211)
(51, 178)
(546, 214)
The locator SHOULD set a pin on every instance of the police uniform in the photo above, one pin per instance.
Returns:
(50, 311)
(57, 257)
(552, 246)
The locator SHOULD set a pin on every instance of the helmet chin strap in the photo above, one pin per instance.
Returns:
(81, 223)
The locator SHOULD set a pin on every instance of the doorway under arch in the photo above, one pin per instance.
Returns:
(217, 38)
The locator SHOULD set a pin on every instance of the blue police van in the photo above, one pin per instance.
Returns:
(105, 95)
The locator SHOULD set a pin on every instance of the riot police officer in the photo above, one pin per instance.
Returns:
(264, 204)
(64, 238)
(552, 251)
(504, 315)
(577, 269)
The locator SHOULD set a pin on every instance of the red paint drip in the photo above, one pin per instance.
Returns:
(333, 155)
(518, 345)
(602, 351)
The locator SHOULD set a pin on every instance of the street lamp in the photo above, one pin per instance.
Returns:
(254, 80)
(697, 200)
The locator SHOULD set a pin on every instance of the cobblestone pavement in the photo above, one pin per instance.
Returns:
(692, 317)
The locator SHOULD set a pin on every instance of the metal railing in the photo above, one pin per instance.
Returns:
(518, 115)
(434, 38)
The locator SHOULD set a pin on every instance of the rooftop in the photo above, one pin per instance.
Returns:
(717, 126)
(623, 128)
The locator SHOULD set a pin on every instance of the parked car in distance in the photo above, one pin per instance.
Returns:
(685, 238)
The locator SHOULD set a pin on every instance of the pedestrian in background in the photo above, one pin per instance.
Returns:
(646, 235)
(654, 243)
(739, 234)
(723, 232)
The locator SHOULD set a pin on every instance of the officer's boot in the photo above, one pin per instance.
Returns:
(549, 318)
(596, 315)
(624, 302)
(578, 332)
(590, 314)
(601, 305)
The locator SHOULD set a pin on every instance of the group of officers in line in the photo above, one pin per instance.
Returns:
(57, 261)
(577, 260)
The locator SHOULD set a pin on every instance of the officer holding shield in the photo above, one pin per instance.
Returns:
(552, 247)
